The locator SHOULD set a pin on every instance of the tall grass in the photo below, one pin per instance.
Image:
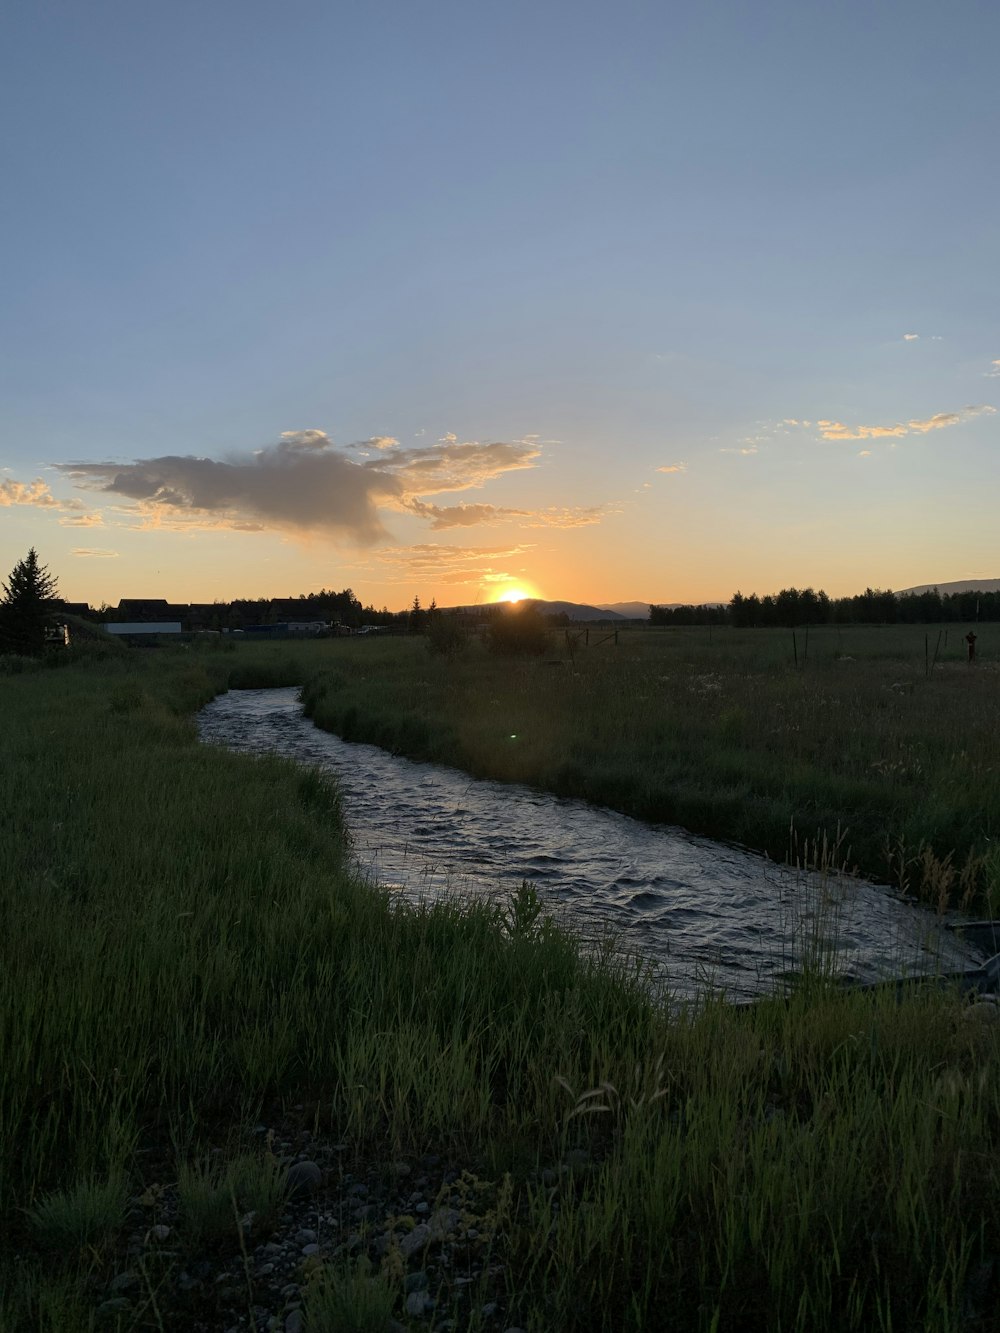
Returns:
(183, 944)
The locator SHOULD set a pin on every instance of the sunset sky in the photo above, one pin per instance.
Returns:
(603, 301)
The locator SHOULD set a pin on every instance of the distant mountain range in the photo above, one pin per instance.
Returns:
(606, 611)
(580, 611)
(962, 585)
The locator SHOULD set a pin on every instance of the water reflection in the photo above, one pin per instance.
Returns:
(700, 911)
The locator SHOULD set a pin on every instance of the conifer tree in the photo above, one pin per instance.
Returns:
(25, 606)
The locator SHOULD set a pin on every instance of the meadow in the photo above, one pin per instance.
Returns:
(186, 952)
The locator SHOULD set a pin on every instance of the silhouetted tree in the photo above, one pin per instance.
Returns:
(26, 605)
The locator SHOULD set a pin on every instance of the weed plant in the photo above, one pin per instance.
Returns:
(184, 944)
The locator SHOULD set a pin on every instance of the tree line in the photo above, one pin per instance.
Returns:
(803, 606)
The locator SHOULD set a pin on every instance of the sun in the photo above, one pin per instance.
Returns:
(509, 594)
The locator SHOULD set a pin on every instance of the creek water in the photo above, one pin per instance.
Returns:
(701, 914)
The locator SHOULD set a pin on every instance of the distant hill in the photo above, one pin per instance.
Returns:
(579, 611)
(631, 610)
(962, 585)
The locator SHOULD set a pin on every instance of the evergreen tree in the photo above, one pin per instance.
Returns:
(26, 604)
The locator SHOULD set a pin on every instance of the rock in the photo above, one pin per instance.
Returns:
(489, 1309)
(416, 1240)
(415, 1282)
(399, 1169)
(305, 1236)
(123, 1282)
(307, 1250)
(423, 1207)
(303, 1179)
(157, 1233)
(416, 1303)
(293, 1322)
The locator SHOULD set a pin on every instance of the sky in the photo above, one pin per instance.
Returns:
(600, 302)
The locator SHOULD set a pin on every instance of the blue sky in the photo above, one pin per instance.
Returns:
(546, 251)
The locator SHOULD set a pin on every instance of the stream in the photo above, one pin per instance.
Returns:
(701, 914)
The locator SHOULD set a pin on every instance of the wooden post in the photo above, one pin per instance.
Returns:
(927, 656)
(795, 648)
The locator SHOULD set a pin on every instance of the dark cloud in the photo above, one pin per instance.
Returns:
(302, 483)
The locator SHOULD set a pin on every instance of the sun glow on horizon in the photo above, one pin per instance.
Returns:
(515, 595)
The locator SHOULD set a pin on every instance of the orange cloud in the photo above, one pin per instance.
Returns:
(836, 430)
(28, 493)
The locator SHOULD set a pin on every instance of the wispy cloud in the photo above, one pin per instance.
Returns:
(556, 516)
(673, 467)
(83, 521)
(910, 337)
(836, 430)
(453, 465)
(994, 370)
(474, 515)
(453, 566)
(94, 553)
(462, 516)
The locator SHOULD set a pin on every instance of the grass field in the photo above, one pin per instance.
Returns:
(860, 745)
(184, 951)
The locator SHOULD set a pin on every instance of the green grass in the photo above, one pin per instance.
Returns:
(184, 945)
(723, 735)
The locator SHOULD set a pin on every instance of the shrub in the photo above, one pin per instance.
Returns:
(215, 1197)
(349, 1299)
(447, 635)
(88, 1214)
(519, 631)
